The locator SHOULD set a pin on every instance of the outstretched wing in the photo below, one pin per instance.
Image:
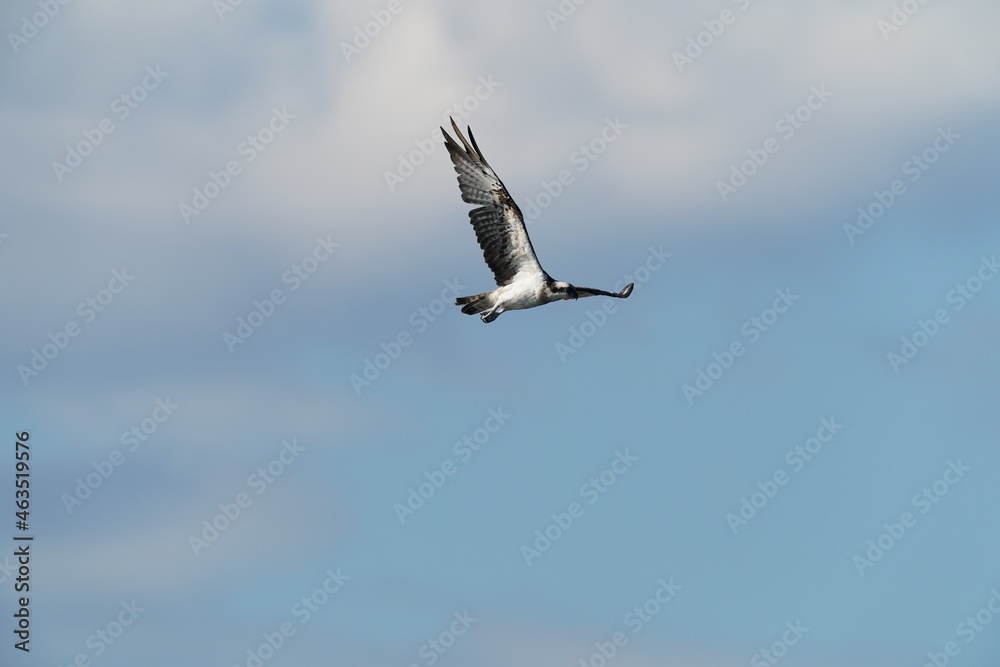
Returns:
(498, 222)
(590, 291)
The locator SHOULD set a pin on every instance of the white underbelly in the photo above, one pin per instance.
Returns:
(520, 295)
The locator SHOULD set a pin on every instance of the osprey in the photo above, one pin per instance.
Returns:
(501, 233)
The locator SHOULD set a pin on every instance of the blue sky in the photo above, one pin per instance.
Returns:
(182, 175)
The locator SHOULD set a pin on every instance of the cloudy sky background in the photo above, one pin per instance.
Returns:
(653, 190)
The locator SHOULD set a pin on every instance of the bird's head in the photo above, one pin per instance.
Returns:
(566, 290)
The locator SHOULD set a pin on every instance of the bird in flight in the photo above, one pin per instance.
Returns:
(522, 282)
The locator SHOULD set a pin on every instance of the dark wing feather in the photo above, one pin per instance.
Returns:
(498, 221)
(590, 291)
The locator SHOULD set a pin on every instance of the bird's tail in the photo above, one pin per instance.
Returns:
(476, 303)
